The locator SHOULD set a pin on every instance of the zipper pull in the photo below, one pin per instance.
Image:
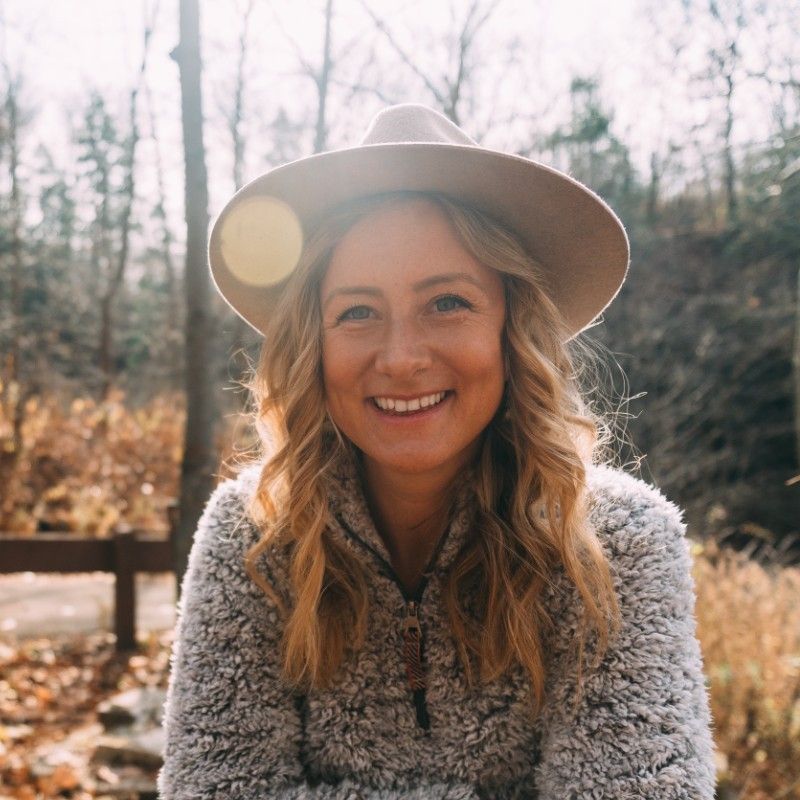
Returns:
(412, 647)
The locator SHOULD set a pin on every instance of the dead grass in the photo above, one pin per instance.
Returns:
(748, 618)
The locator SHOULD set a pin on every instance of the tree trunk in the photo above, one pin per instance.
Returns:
(241, 330)
(653, 189)
(796, 360)
(105, 343)
(117, 271)
(199, 461)
(321, 131)
(731, 200)
(173, 309)
(11, 394)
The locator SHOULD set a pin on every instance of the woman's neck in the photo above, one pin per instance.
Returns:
(411, 514)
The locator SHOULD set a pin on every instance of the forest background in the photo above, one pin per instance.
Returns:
(683, 115)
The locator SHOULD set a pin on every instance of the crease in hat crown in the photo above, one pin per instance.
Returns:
(413, 122)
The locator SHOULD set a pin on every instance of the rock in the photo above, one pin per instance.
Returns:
(134, 739)
(51, 758)
(152, 740)
(138, 749)
(140, 707)
(125, 782)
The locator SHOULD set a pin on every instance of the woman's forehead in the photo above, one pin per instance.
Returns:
(405, 242)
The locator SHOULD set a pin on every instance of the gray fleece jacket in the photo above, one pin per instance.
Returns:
(235, 731)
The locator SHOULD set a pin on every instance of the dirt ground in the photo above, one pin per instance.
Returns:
(45, 605)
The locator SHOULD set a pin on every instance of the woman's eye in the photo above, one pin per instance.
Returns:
(354, 313)
(450, 302)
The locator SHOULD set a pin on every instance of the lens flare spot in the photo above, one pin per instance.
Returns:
(261, 240)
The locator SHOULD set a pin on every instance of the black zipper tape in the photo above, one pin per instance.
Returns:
(418, 692)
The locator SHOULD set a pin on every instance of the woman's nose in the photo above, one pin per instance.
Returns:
(402, 351)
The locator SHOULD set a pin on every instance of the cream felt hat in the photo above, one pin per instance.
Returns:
(578, 240)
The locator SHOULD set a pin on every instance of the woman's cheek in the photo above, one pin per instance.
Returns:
(342, 356)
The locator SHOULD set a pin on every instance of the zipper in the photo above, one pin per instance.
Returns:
(412, 654)
(413, 643)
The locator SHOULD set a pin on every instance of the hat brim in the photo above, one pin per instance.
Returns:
(576, 238)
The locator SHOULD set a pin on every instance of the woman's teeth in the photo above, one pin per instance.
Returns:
(407, 406)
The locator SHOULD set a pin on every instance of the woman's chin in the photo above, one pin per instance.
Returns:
(420, 462)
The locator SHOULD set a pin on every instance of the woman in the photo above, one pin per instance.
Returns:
(430, 587)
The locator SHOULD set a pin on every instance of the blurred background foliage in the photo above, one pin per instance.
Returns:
(700, 347)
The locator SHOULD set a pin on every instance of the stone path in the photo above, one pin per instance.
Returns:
(42, 604)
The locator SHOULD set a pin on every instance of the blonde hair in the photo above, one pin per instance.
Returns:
(530, 478)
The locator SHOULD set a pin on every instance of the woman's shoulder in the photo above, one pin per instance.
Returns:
(643, 535)
(227, 509)
(629, 514)
(225, 533)
(226, 528)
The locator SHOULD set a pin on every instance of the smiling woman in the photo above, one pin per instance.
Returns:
(431, 585)
(412, 362)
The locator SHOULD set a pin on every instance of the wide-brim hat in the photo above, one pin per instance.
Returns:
(579, 242)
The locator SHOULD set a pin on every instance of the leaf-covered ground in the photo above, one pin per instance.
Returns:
(49, 694)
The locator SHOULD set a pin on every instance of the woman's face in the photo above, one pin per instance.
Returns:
(412, 341)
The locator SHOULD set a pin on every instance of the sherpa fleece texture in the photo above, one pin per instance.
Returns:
(234, 731)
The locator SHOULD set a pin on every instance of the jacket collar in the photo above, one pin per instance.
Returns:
(352, 522)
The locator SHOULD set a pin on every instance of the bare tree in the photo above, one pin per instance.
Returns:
(117, 271)
(665, 47)
(725, 24)
(160, 212)
(322, 81)
(235, 115)
(13, 391)
(780, 69)
(199, 460)
(322, 76)
(796, 367)
(449, 91)
(725, 60)
(701, 48)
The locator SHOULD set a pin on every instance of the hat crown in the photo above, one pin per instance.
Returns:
(412, 122)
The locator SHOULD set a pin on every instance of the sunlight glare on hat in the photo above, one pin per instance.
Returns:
(261, 241)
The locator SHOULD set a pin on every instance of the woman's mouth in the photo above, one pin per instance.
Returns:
(412, 405)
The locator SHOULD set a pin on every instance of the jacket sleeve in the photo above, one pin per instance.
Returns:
(233, 731)
(642, 727)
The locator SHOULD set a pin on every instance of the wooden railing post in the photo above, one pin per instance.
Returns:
(173, 512)
(124, 588)
(173, 517)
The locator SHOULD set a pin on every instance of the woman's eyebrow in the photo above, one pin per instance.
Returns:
(368, 290)
(447, 277)
(425, 283)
